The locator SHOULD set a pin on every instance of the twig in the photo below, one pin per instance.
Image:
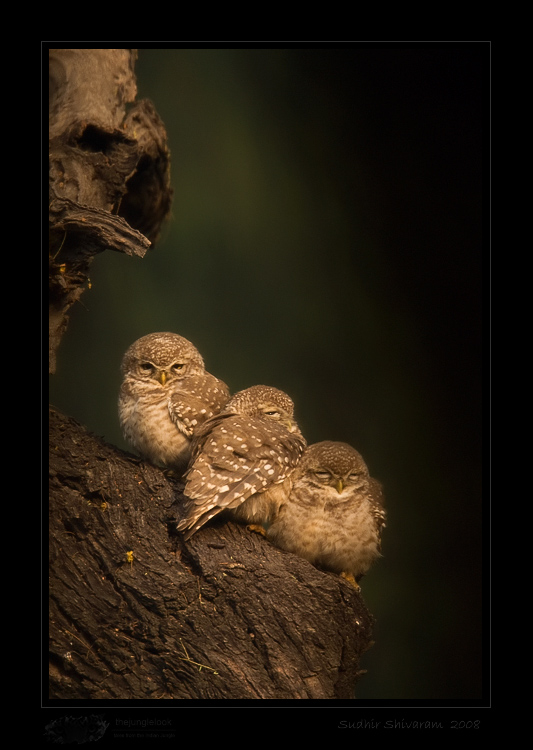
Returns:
(196, 664)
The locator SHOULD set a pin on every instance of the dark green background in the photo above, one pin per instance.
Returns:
(326, 238)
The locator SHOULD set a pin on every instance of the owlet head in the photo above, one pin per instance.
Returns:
(162, 357)
(334, 464)
(264, 402)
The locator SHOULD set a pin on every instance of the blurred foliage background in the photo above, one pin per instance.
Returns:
(326, 238)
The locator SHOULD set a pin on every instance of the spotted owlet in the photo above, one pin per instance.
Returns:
(165, 396)
(334, 514)
(242, 459)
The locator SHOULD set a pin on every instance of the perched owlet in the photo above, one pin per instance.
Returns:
(165, 396)
(243, 459)
(334, 514)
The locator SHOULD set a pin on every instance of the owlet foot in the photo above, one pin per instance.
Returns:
(351, 580)
(258, 529)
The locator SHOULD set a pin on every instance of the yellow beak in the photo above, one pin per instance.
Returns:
(163, 377)
(339, 486)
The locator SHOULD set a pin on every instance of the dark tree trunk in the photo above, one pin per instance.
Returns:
(136, 613)
(109, 185)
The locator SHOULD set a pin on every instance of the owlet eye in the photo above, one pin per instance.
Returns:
(322, 476)
(146, 367)
(177, 367)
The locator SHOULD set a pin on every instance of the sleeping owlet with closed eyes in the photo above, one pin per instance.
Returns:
(334, 513)
(243, 459)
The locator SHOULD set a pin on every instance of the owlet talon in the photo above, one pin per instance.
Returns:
(351, 580)
(257, 529)
(172, 473)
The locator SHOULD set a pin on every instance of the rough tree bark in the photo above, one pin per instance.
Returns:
(136, 613)
(109, 185)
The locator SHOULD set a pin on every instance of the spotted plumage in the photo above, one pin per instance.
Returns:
(243, 459)
(165, 396)
(334, 514)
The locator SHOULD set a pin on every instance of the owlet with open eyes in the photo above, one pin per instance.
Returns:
(243, 460)
(334, 514)
(165, 396)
